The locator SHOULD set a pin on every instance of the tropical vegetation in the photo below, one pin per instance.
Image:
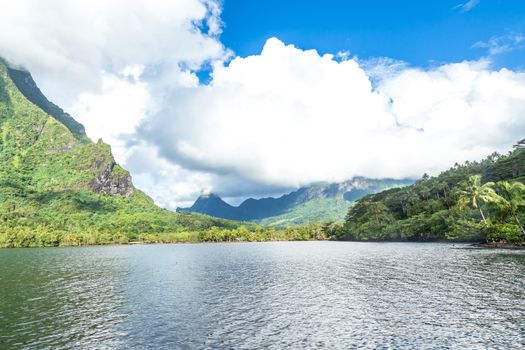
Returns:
(476, 201)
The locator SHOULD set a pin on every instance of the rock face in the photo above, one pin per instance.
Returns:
(113, 180)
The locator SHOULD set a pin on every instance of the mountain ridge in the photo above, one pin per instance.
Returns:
(260, 210)
(28, 87)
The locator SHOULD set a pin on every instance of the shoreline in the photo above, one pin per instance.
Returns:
(471, 245)
(499, 245)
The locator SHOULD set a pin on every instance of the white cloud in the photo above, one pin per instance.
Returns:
(268, 122)
(466, 6)
(169, 184)
(502, 44)
(291, 117)
(80, 41)
(115, 111)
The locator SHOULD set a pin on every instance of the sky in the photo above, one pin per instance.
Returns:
(421, 33)
(256, 98)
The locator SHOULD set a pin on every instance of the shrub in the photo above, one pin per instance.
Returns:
(507, 232)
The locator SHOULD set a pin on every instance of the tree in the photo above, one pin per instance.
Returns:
(511, 198)
(473, 193)
(520, 144)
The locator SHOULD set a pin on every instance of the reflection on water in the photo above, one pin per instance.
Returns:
(263, 295)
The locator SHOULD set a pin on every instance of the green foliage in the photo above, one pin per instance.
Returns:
(511, 199)
(473, 193)
(461, 204)
(313, 231)
(324, 209)
(467, 231)
(25, 84)
(369, 221)
(504, 232)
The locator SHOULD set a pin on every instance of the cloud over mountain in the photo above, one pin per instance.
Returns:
(83, 41)
(291, 117)
(279, 119)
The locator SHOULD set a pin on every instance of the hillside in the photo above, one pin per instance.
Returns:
(57, 187)
(319, 202)
(475, 201)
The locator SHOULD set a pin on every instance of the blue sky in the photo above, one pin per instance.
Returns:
(421, 33)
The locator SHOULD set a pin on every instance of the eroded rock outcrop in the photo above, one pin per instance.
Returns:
(113, 180)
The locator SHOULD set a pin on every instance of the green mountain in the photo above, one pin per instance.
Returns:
(448, 206)
(319, 202)
(57, 187)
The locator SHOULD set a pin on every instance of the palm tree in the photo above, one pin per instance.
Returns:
(512, 198)
(520, 144)
(473, 193)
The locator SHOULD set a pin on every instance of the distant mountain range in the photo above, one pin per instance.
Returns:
(319, 202)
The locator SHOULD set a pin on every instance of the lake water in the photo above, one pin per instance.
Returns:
(298, 295)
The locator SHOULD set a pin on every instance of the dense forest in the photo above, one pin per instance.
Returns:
(475, 201)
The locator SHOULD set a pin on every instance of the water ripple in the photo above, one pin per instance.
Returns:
(298, 295)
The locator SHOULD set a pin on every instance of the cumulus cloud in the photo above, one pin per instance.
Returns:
(115, 111)
(82, 41)
(265, 123)
(291, 117)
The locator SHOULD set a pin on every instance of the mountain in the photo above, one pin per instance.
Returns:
(211, 203)
(57, 187)
(319, 202)
(448, 206)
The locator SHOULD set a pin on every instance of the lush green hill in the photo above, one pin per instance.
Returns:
(448, 206)
(318, 202)
(58, 187)
(331, 209)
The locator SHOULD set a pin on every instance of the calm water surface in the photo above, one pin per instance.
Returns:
(297, 295)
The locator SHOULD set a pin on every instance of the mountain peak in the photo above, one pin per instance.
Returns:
(208, 195)
(27, 86)
(211, 204)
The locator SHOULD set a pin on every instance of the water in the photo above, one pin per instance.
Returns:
(297, 295)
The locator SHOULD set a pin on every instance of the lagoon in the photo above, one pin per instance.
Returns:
(275, 295)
